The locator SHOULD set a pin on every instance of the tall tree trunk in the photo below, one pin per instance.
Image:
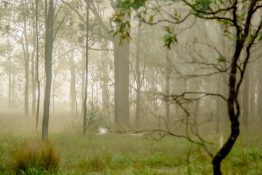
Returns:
(53, 93)
(86, 71)
(254, 104)
(259, 95)
(121, 77)
(83, 80)
(49, 20)
(33, 77)
(121, 62)
(217, 111)
(37, 67)
(138, 78)
(168, 71)
(9, 84)
(13, 90)
(33, 82)
(105, 80)
(26, 58)
(72, 85)
(33, 89)
(246, 100)
(33, 70)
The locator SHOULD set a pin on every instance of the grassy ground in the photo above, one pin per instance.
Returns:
(129, 155)
(118, 154)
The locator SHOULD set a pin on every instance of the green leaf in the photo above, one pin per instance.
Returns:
(169, 37)
(151, 19)
(138, 3)
(202, 5)
(259, 36)
(221, 59)
(128, 4)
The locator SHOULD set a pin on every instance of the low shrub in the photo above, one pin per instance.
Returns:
(34, 156)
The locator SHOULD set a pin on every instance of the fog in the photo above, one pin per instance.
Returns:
(130, 87)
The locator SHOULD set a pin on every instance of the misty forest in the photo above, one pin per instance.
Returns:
(130, 87)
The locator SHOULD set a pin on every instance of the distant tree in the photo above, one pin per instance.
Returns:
(138, 77)
(25, 45)
(105, 78)
(85, 26)
(87, 3)
(242, 22)
(24, 19)
(167, 84)
(36, 78)
(246, 100)
(73, 99)
(49, 39)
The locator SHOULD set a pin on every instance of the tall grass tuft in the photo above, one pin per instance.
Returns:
(34, 155)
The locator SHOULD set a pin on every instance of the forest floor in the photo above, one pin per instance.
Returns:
(122, 154)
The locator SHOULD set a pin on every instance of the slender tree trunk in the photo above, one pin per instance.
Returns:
(168, 71)
(13, 90)
(252, 93)
(246, 100)
(254, 104)
(86, 71)
(9, 84)
(83, 80)
(53, 94)
(48, 65)
(33, 70)
(105, 80)
(72, 86)
(26, 58)
(138, 79)
(92, 102)
(37, 67)
(33, 83)
(217, 114)
(259, 96)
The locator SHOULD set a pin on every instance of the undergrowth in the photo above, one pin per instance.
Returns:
(122, 155)
(34, 158)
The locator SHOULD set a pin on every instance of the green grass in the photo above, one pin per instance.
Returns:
(118, 154)
(129, 155)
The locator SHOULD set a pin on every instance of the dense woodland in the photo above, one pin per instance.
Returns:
(139, 87)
